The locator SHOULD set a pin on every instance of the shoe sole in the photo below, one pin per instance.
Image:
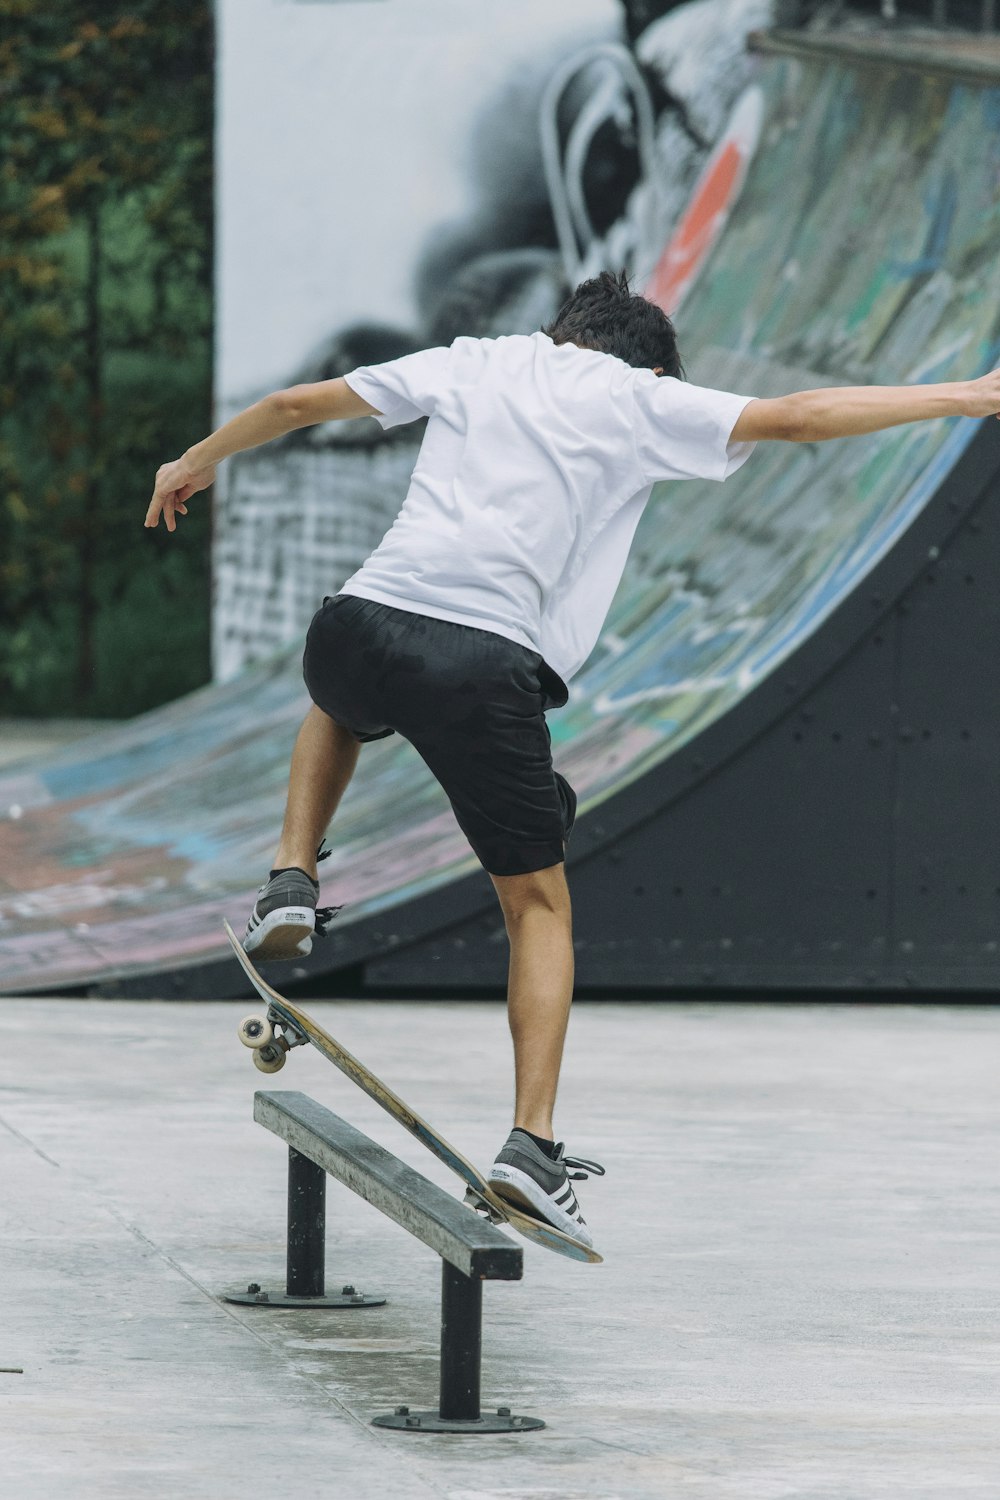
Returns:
(522, 1191)
(286, 932)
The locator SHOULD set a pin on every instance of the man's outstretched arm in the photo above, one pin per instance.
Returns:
(849, 411)
(281, 412)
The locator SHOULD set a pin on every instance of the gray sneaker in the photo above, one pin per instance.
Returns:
(285, 916)
(542, 1185)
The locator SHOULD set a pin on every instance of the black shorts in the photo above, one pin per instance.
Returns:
(471, 703)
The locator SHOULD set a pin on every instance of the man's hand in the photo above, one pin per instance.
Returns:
(175, 484)
(982, 396)
(272, 417)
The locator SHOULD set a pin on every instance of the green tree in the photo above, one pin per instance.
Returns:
(105, 331)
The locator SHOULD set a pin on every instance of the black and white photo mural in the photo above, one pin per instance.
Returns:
(420, 173)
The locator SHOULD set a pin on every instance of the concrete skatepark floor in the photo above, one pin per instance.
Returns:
(800, 1297)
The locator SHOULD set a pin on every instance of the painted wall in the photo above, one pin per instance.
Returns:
(861, 247)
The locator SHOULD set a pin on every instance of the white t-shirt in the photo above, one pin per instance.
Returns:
(535, 467)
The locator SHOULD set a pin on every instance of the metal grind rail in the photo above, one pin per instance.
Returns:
(472, 1251)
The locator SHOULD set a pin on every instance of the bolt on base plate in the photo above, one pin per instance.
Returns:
(254, 1296)
(500, 1420)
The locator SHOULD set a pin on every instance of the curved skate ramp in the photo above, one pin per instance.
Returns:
(863, 249)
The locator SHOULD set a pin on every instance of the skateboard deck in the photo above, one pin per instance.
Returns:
(271, 1049)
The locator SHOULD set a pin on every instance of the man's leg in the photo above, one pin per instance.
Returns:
(537, 914)
(323, 763)
(284, 917)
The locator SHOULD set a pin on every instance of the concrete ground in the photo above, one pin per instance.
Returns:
(800, 1300)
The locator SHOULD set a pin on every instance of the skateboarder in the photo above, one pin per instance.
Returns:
(487, 594)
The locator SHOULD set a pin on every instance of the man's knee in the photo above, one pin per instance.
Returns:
(540, 890)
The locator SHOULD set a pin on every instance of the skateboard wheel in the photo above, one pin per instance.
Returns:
(269, 1059)
(255, 1031)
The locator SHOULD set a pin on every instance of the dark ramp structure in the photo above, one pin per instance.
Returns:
(786, 743)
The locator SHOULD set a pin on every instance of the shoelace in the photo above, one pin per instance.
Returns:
(583, 1168)
(325, 914)
(324, 919)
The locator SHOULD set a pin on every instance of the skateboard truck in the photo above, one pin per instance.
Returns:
(271, 1038)
(482, 1206)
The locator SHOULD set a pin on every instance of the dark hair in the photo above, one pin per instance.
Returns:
(603, 314)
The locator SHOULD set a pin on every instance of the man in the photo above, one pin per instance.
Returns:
(487, 593)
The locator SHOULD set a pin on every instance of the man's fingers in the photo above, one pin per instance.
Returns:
(168, 506)
(174, 507)
(172, 490)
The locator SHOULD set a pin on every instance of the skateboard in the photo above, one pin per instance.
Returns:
(286, 1026)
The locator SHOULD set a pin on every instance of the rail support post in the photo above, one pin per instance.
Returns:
(305, 1271)
(305, 1274)
(461, 1363)
(461, 1345)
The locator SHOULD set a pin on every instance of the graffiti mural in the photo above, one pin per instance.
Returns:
(857, 243)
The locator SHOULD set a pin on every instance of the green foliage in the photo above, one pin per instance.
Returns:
(105, 323)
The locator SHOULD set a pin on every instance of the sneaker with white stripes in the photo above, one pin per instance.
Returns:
(285, 916)
(527, 1178)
